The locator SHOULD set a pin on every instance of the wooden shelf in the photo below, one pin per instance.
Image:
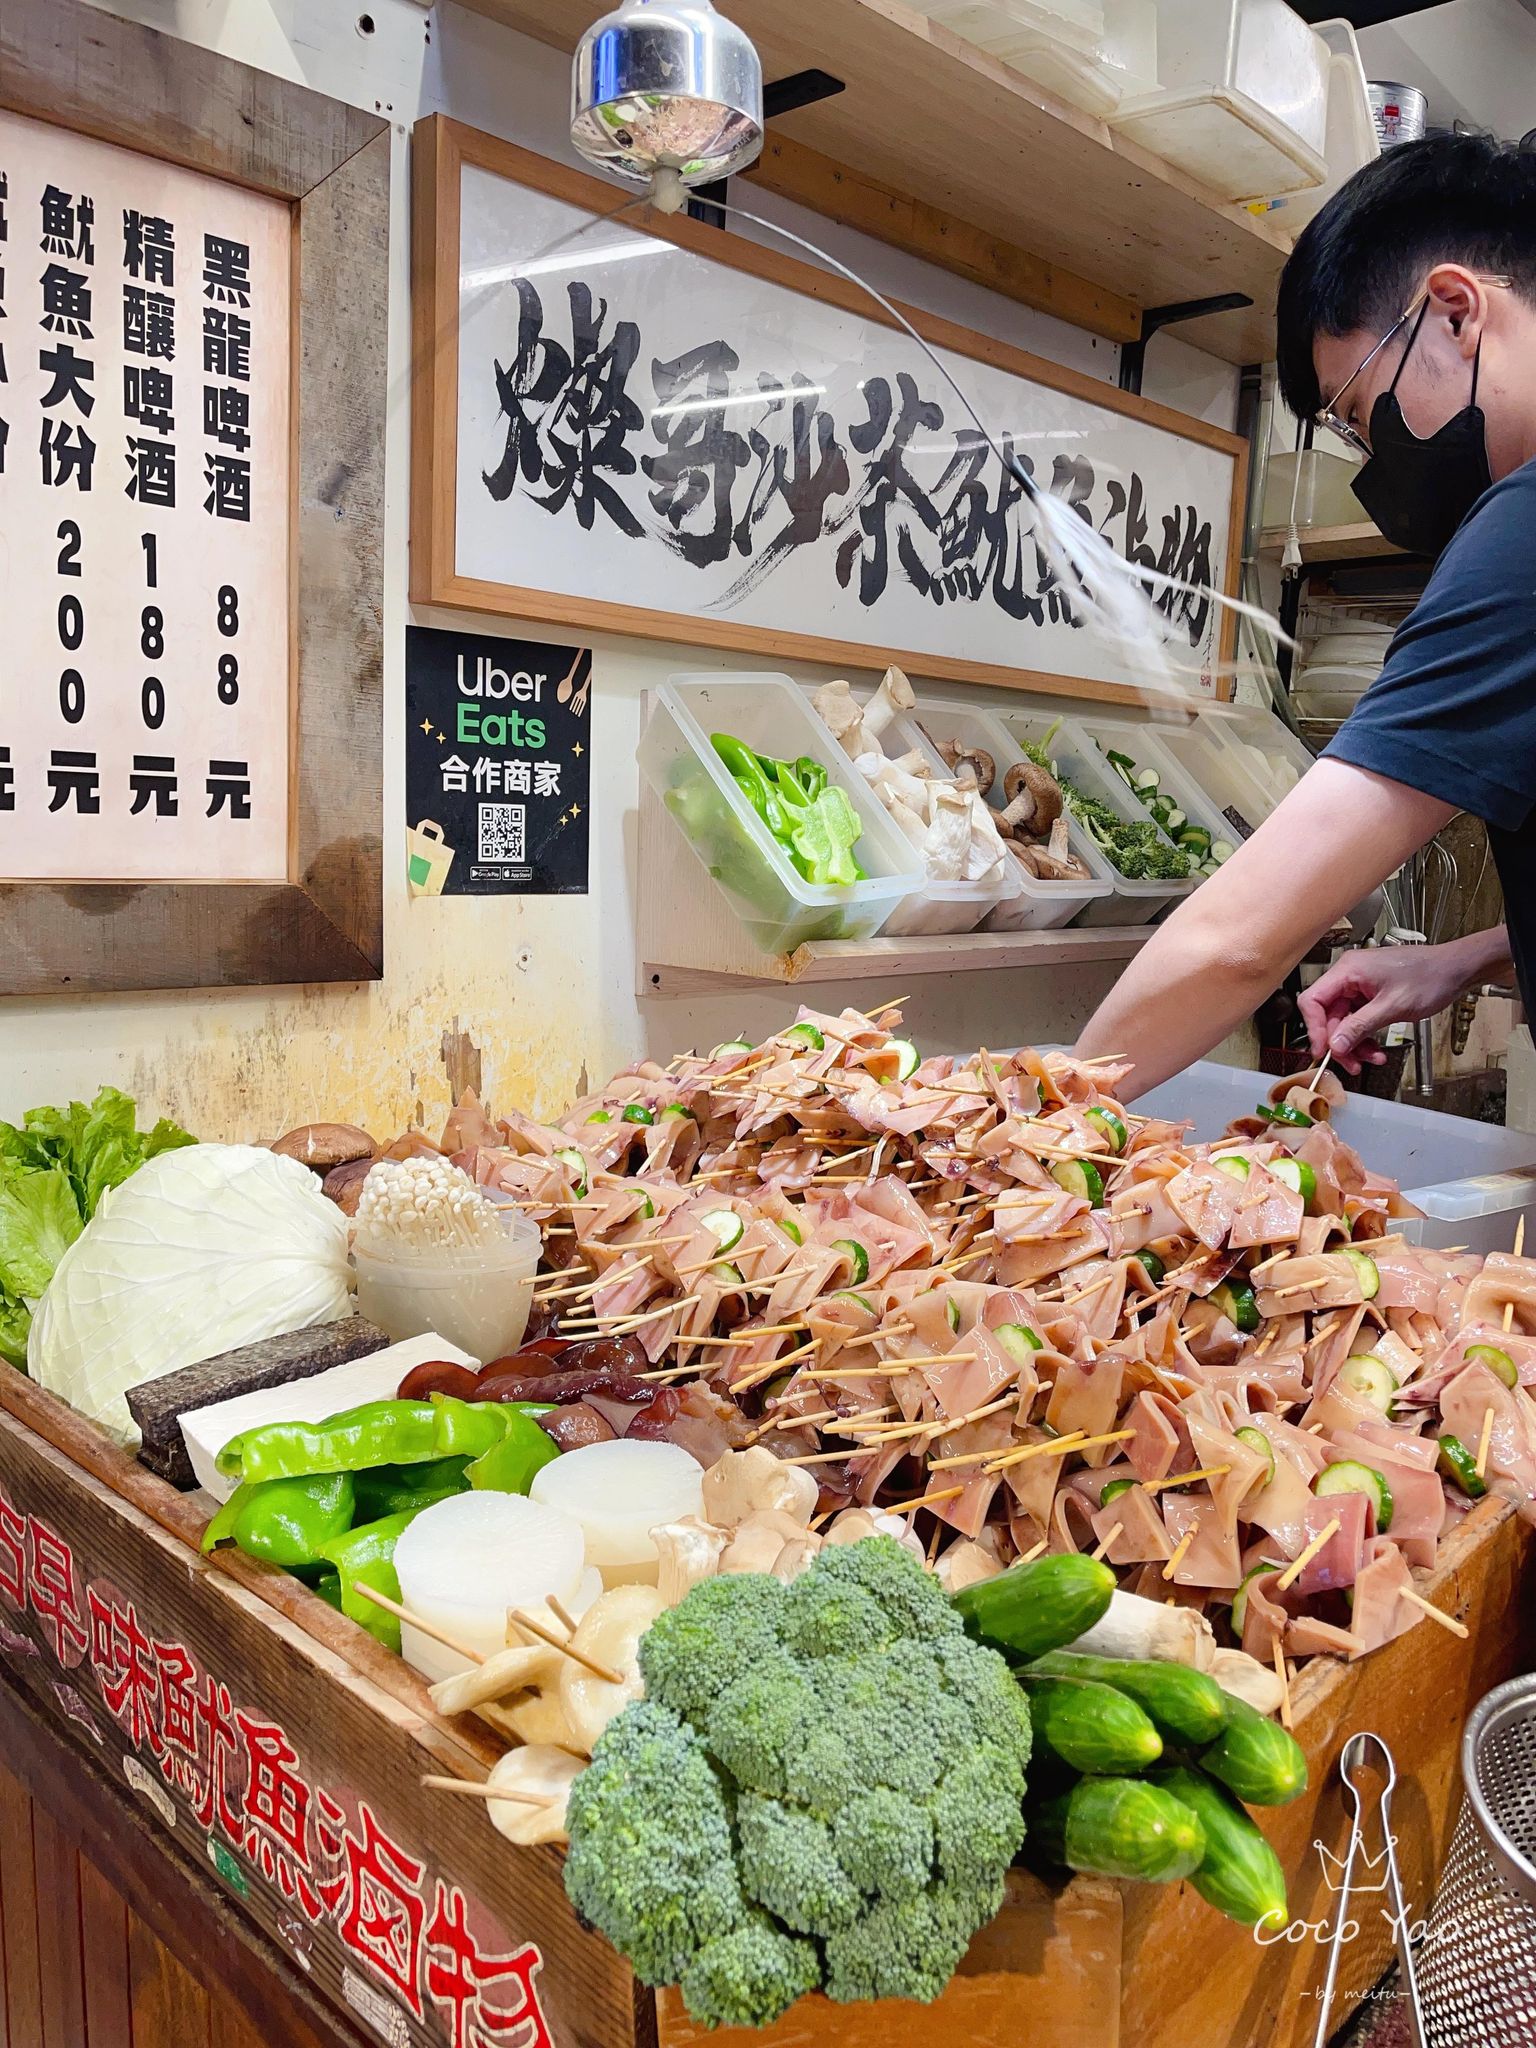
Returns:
(881, 959)
(932, 117)
(1355, 543)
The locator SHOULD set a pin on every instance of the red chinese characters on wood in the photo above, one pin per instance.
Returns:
(243, 1781)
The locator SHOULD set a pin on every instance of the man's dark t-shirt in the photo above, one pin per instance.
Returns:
(1453, 712)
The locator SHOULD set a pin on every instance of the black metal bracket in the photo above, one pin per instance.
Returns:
(1133, 354)
(781, 96)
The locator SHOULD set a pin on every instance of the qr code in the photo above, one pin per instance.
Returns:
(501, 831)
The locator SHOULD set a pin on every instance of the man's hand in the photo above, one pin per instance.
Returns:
(1364, 992)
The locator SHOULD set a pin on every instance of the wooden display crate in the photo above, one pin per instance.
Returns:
(276, 1750)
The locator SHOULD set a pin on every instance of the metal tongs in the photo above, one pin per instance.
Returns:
(1357, 1757)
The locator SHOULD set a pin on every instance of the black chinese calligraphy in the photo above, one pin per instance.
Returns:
(568, 412)
(743, 471)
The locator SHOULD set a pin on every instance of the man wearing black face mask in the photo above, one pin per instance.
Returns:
(1407, 325)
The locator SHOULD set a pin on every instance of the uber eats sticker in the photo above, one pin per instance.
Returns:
(497, 765)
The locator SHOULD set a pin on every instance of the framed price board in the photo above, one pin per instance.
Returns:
(191, 435)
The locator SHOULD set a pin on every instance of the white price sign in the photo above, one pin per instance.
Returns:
(145, 371)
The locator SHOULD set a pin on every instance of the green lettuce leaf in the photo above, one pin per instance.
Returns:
(96, 1144)
(15, 1321)
(39, 1220)
(166, 1137)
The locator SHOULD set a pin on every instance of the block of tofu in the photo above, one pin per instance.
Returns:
(374, 1378)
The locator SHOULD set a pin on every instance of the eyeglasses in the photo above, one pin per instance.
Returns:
(1329, 416)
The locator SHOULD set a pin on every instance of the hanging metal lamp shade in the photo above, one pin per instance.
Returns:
(667, 85)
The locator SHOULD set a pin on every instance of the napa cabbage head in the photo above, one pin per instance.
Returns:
(201, 1250)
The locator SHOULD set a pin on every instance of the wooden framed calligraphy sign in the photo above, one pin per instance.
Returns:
(656, 428)
(191, 509)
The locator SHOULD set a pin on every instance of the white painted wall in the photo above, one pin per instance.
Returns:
(544, 986)
(1475, 59)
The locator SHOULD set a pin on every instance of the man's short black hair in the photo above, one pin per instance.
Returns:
(1452, 199)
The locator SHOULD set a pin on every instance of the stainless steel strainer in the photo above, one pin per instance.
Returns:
(1477, 1964)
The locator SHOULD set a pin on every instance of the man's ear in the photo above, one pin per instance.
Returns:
(1458, 299)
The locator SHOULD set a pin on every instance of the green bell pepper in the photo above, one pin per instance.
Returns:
(823, 837)
(326, 1581)
(391, 1489)
(508, 1467)
(284, 1521)
(378, 1433)
(811, 776)
(366, 1557)
(754, 778)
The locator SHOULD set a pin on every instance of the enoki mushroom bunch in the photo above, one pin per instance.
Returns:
(424, 1205)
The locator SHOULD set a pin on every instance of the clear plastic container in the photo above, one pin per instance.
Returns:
(476, 1296)
(778, 908)
(1039, 906)
(1242, 103)
(1125, 901)
(1011, 29)
(1325, 495)
(940, 907)
(1140, 742)
(1219, 772)
(1350, 140)
(1122, 63)
(1266, 750)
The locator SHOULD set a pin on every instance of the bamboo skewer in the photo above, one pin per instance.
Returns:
(1282, 1672)
(1034, 1550)
(1509, 1306)
(527, 1623)
(561, 1613)
(1183, 1478)
(477, 1788)
(1178, 1552)
(1449, 1621)
(416, 1621)
(1101, 1548)
(1483, 1442)
(1299, 1564)
(889, 1369)
(1056, 1445)
(936, 1358)
(925, 1500)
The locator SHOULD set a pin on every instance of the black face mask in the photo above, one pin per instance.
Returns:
(1419, 492)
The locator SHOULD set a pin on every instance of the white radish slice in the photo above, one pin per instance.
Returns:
(617, 1493)
(464, 1561)
(610, 1635)
(544, 1773)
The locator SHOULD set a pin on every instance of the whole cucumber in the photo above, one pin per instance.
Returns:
(1239, 1874)
(1035, 1607)
(1186, 1707)
(1255, 1758)
(1091, 1727)
(1117, 1827)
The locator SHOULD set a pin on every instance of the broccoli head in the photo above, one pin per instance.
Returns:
(691, 1653)
(650, 1863)
(748, 1977)
(823, 1786)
